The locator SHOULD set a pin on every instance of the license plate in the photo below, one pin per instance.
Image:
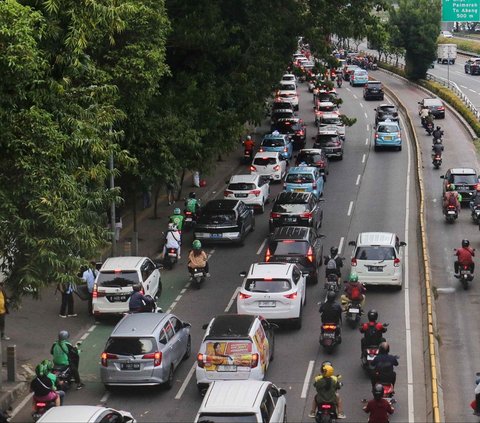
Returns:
(375, 268)
(266, 303)
(118, 298)
(224, 368)
(299, 190)
(197, 275)
(188, 219)
(387, 138)
(241, 195)
(290, 219)
(451, 212)
(130, 366)
(172, 254)
(354, 310)
(215, 235)
(329, 335)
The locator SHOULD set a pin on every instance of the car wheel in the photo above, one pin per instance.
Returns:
(313, 280)
(375, 147)
(398, 287)
(252, 226)
(261, 210)
(188, 350)
(169, 382)
(272, 350)
(341, 157)
(399, 148)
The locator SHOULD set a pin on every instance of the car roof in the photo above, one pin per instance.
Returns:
(283, 82)
(463, 171)
(139, 324)
(224, 396)
(243, 178)
(72, 414)
(293, 197)
(266, 270)
(302, 169)
(327, 130)
(376, 238)
(330, 115)
(388, 122)
(360, 70)
(432, 101)
(326, 103)
(271, 136)
(290, 232)
(222, 204)
(230, 326)
(288, 74)
(374, 82)
(122, 263)
(265, 154)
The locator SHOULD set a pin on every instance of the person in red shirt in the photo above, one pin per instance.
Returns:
(379, 408)
(465, 256)
(248, 143)
(373, 331)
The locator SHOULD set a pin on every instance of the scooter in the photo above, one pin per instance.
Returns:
(367, 358)
(190, 220)
(451, 214)
(353, 313)
(64, 376)
(326, 413)
(465, 276)
(339, 83)
(328, 336)
(248, 155)
(197, 277)
(40, 408)
(171, 257)
(437, 161)
(331, 284)
(476, 214)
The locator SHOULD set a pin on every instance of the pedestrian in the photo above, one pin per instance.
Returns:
(170, 184)
(67, 289)
(89, 276)
(3, 310)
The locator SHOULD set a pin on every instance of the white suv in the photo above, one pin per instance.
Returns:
(269, 163)
(243, 401)
(273, 290)
(376, 258)
(253, 190)
(114, 283)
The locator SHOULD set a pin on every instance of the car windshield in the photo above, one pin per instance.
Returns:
(241, 186)
(290, 208)
(330, 121)
(117, 279)
(282, 115)
(288, 87)
(227, 418)
(309, 159)
(217, 217)
(375, 252)
(299, 178)
(387, 128)
(281, 105)
(265, 161)
(289, 247)
(273, 142)
(323, 107)
(465, 179)
(284, 126)
(268, 285)
(130, 346)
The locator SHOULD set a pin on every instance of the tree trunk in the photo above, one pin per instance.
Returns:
(155, 206)
(180, 185)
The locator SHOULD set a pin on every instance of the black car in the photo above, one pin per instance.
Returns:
(281, 114)
(279, 105)
(465, 181)
(435, 105)
(373, 91)
(296, 209)
(384, 112)
(314, 157)
(328, 140)
(296, 244)
(293, 127)
(472, 66)
(224, 221)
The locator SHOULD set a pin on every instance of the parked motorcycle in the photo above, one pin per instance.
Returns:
(40, 408)
(465, 276)
(329, 337)
(451, 214)
(197, 277)
(353, 313)
(437, 161)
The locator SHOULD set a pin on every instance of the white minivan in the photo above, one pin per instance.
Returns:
(377, 260)
(114, 283)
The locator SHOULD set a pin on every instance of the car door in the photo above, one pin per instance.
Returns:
(315, 241)
(320, 182)
(165, 341)
(264, 186)
(299, 281)
(278, 412)
(150, 276)
(267, 409)
(269, 334)
(179, 340)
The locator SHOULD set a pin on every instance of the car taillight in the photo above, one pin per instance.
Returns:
(310, 255)
(261, 150)
(396, 262)
(200, 360)
(276, 167)
(254, 362)
(320, 163)
(441, 108)
(285, 149)
(291, 296)
(156, 356)
(354, 262)
(243, 296)
(376, 135)
(268, 255)
(256, 192)
(253, 168)
(107, 356)
(226, 193)
(275, 215)
(96, 293)
(307, 215)
(337, 143)
(300, 132)
(314, 185)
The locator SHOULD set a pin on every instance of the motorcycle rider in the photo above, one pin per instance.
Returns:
(451, 198)
(475, 202)
(334, 263)
(464, 257)
(383, 364)
(339, 79)
(139, 303)
(437, 149)
(193, 205)
(43, 388)
(476, 403)
(173, 239)
(65, 354)
(424, 112)
(249, 144)
(331, 312)
(354, 291)
(177, 218)
(437, 134)
(373, 331)
(48, 371)
(379, 408)
(327, 386)
(197, 258)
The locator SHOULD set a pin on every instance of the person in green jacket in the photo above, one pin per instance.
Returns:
(46, 368)
(177, 218)
(65, 354)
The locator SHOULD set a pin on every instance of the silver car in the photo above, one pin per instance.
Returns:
(145, 349)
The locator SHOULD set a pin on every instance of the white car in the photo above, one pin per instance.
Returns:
(289, 77)
(243, 401)
(276, 291)
(333, 119)
(85, 414)
(269, 163)
(377, 260)
(253, 190)
(446, 34)
(289, 94)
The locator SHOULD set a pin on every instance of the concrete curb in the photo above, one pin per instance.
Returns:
(434, 360)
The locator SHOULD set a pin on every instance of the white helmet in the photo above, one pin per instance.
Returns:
(172, 226)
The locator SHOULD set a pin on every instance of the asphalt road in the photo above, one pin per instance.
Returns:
(367, 191)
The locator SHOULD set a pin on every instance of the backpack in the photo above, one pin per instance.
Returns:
(372, 335)
(192, 205)
(332, 264)
(356, 294)
(452, 201)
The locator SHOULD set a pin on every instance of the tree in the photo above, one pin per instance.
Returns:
(418, 26)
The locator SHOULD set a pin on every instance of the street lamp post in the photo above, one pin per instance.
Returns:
(112, 210)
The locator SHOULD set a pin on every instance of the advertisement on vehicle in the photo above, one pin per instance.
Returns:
(227, 356)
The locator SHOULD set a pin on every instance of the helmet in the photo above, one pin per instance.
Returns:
(327, 370)
(384, 348)
(249, 137)
(63, 335)
(331, 296)
(40, 370)
(176, 210)
(196, 245)
(192, 195)
(465, 243)
(48, 365)
(451, 187)
(172, 226)
(438, 128)
(353, 277)
(372, 315)
(377, 391)
(334, 251)
(137, 287)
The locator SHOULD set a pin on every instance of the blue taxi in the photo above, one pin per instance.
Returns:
(359, 77)
(388, 134)
(304, 179)
(279, 143)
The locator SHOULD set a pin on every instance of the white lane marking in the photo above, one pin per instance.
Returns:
(172, 306)
(463, 86)
(91, 328)
(183, 291)
(340, 245)
(350, 207)
(105, 397)
(361, 104)
(185, 382)
(473, 91)
(230, 303)
(368, 127)
(366, 116)
(306, 382)
(21, 405)
(363, 158)
(178, 298)
(408, 337)
(261, 246)
(358, 180)
(84, 336)
(366, 141)
(348, 89)
(355, 96)
(447, 290)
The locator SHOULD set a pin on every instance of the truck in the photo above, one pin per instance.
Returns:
(446, 53)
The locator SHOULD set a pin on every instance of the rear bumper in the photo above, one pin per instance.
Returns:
(223, 237)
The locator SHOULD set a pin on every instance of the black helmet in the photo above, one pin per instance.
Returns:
(192, 195)
(333, 251)
(137, 287)
(63, 335)
(377, 391)
(465, 243)
(384, 348)
(331, 296)
(438, 128)
(372, 315)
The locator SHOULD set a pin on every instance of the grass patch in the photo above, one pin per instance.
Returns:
(472, 46)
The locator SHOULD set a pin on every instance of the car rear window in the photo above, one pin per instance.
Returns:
(277, 105)
(375, 252)
(361, 73)
(324, 139)
(387, 109)
(227, 417)
(117, 279)
(387, 128)
(330, 121)
(272, 285)
(465, 179)
(309, 158)
(273, 142)
(300, 178)
(289, 247)
(289, 87)
(241, 186)
(130, 345)
(282, 115)
(218, 217)
(265, 161)
(290, 208)
(284, 127)
(326, 107)
(375, 85)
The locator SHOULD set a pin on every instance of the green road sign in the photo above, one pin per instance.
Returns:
(460, 10)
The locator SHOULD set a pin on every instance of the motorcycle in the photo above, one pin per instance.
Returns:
(189, 221)
(367, 358)
(429, 128)
(476, 214)
(329, 337)
(171, 257)
(197, 277)
(40, 408)
(388, 392)
(353, 313)
(326, 413)
(64, 377)
(331, 284)
(248, 156)
(339, 83)
(465, 276)
(437, 161)
(451, 213)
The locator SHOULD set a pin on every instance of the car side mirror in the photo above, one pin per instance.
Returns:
(313, 138)
(403, 244)
(159, 265)
(352, 243)
(282, 391)
(187, 325)
(205, 326)
(243, 274)
(273, 325)
(442, 177)
(375, 109)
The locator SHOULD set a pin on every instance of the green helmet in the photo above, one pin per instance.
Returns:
(40, 370)
(47, 365)
(353, 277)
(196, 245)
(176, 210)
(451, 187)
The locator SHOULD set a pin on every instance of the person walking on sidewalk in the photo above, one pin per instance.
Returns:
(89, 276)
(67, 289)
(170, 185)
(3, 310)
